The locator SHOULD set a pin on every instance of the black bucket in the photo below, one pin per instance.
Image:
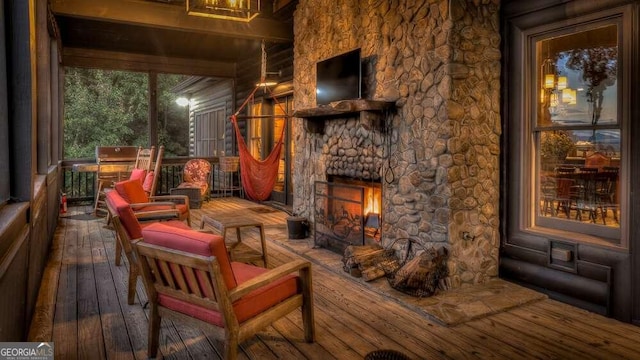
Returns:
(298, 227)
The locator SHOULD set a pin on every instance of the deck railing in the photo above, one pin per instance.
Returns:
(81, 186)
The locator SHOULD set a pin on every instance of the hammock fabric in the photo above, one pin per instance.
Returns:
(258, 176)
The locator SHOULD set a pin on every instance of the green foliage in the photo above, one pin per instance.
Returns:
(555, 145)
(111, 108)
(104, 108)
(173, 120)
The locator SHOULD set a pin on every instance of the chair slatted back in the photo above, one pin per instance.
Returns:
(192, 278)
(144, 159)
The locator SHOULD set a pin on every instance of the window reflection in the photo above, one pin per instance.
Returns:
(577, 78)
(577, 133)
(579, 176)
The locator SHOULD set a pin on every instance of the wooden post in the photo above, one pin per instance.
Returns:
(153, 108)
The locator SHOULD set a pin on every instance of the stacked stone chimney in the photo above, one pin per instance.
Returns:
(437, 155)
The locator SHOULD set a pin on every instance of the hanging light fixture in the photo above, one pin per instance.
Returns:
(555, 89)
(237, 10)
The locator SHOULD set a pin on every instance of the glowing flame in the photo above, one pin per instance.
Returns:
(373, 200)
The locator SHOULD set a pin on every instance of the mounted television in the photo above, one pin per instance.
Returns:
(339, 78)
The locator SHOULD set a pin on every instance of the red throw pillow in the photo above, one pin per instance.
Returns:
(132, 191)
(138, 174)
(148, 182)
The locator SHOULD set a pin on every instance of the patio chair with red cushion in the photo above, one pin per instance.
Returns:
(128, 228)
(189, 277)
(107, 177)
(133, 192)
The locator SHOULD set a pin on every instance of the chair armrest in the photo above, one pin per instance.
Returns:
(184, 199)
(137, 206)
(168, 214)
(268, 277)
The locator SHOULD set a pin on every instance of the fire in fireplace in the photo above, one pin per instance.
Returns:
(347, 212)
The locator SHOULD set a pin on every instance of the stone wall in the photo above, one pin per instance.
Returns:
(440, 154)
(353, 150)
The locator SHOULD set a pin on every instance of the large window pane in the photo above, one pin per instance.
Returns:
(577, 132)
(577, 78)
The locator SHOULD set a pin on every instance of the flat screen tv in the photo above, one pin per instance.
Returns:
(339, 78)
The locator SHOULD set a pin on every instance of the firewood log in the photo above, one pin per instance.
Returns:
(404, 272)
(372, 273)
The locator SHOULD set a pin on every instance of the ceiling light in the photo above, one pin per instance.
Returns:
(237, 10)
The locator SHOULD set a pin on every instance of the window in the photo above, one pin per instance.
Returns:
(577, 131)
(210, 126)
(255, 131)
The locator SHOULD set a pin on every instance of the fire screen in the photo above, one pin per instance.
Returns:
(339, 215)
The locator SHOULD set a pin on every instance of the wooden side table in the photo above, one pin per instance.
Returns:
(243, 254)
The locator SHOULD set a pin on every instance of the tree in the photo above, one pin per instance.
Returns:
(599, 66)
(104, 108)
(173, 120)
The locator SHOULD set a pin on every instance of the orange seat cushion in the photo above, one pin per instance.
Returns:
(246, 307)
(132, 191)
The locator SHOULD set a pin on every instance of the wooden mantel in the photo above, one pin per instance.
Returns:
(371, 112)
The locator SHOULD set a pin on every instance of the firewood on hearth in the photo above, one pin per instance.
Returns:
(372, 273)
(372, 261)
(420, 276)
(379, 269)
(402, 275)
(353, 252)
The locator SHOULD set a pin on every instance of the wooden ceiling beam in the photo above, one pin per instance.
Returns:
(174, 17)
(100, 59)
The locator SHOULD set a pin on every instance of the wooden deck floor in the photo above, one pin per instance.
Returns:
(83, 308)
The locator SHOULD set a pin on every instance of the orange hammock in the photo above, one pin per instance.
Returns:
(258, 176)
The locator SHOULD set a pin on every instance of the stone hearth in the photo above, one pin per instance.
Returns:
(437, 155)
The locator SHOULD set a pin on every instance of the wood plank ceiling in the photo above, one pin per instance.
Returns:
(158, 35)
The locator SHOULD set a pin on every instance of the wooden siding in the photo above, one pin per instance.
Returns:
(14, 258)
(219, 95)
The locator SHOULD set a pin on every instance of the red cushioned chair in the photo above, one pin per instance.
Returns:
(128, 228)
(133, 192)
(189, 277)
(106, 178)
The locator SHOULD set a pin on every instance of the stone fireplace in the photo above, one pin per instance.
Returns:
(436, 156)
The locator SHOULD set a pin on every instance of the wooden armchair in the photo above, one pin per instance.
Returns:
(115, 161)
(189, 277)
(128, 228)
